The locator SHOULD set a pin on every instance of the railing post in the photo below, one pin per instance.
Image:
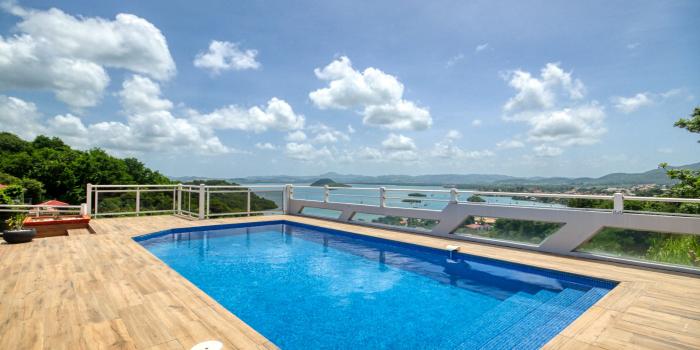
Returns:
(453, 195)
(382, 197)
(287, 194)
(202, 204)
(326, 193)
(88, 198)
(138, 200)
(83, 209)
(248, 205)
(618, 203)
(179, 199)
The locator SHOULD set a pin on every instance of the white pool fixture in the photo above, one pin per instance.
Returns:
(452, 248)
(209, 345)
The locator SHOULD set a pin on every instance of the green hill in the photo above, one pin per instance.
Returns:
(328, 182)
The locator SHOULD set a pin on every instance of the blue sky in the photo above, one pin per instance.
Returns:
(225, 89)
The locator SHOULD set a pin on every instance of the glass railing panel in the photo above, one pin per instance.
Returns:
(157, 200)
(228, 203)
(321, 212)
(522, 231)
(266, 200)
(395, 221)
(116, 202)
(662, 247)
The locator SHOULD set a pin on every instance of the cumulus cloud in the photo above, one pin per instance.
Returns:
(396, 142)
(510, 144)
(296, 136)
(553, 106)
(224, 56)
(19, 117)
(631, 104)
(476, 122)
(547, 151)
(581, 125)
(306, 152)
(276, 115)
(326, 134)
(541, 93)
(265, 146)
(481, 47)
(68, 55)
(379, 96)
(447, 149)
(453, 134)
(643, 99)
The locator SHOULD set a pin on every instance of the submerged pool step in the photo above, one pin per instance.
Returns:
(496, 320)
(537, 318)
(541, 335)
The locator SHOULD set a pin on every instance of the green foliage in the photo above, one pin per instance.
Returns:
(11, 194)
(691, 124)
(15, 222)
(655, 246)
(475, 199)
(49, 168)
(234, 202)
(510, 229)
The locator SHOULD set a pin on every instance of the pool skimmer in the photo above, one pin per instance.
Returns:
(209, 345)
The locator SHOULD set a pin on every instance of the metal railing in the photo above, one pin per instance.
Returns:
(573, 226)
(41, 210)
(193, 201)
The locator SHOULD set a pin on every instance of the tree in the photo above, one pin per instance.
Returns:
(691, 124)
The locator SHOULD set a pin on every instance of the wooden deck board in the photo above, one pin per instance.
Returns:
(104, 291)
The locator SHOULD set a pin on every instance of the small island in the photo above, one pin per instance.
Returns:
(417, 194)
(328, 182)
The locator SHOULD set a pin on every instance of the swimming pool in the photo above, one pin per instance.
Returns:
(307, 287)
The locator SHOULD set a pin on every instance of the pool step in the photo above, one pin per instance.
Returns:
(523, 329)
(496, 320)
(541, 335)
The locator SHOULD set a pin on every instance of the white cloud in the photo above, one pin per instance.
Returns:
(351, 130)
(403, 115)
(265, 146)
(379, 95)
(509, 144)
(453, 134)
(631, 104)
(398, 143)
(535, 94)
(632, 46)
(448, 150)
(454, 60)
(368, 153)
(547, 151)
(296, 136)
(68, 55)
(224, 55)
(327, 134)
(552, 106)
(481, 47)
(665, 150)
(19, 117)
(581, 125)
(476, 122)
(277, 115)
(306, 151)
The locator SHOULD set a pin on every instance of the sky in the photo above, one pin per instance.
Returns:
(231, 89)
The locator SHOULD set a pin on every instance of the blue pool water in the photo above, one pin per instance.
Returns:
(305, 287)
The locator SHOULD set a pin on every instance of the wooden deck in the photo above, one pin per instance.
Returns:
(103, 291)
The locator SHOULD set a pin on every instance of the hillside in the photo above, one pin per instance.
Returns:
(328, 182)
(655, 176)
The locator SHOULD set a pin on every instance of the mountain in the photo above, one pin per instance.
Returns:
(326, 181)
(655, 176)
